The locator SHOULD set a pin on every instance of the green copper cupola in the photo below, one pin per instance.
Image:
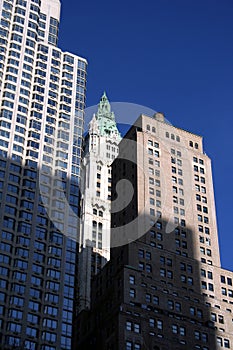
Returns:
(106, 118)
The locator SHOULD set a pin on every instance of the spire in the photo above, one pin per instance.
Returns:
(104, 106)
(106, 118)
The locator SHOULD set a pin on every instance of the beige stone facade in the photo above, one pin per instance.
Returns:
(165, 289)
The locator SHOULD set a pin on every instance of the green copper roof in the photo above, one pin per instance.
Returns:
(106, 118)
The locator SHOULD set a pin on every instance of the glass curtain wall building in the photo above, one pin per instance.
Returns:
(42, 100)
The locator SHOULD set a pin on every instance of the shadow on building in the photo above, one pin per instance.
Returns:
(152, 294)
(148, 297)
(38, 255)
(90, 263)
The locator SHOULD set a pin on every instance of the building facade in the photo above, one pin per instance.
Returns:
(164, 287)
(42, 96)
(100, 149)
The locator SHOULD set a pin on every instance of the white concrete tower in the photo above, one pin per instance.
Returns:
(101, 148)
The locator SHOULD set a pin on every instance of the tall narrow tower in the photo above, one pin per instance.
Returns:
(101, 148)
(42, 96)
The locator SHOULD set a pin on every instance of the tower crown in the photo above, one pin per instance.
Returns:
(106, 118)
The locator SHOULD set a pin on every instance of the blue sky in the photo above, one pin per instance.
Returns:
(171, 56)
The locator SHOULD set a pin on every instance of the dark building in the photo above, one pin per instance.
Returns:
(164, 287)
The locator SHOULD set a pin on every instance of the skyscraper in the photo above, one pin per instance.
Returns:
(100, 149)
(164, 287)
(42, 98)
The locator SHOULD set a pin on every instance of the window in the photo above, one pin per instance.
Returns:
(152, 212)
(223, 279)
(177, 306)
(35, 293)
(50, 323)
(151, 322)
(152, 201)
(203, 189)
(128, 325)
(170, 304)
(200, 228)
(141, 253)
(137, 328)
(31, 332)
(51, 337)
(28, 344)
(132, 279)
(132, 293)
(151, 190)
(204, 200)
(183, 278)
(51, 310)
(141, 266)
(182, 212)
(182, 331)
(220, 319)
(15, 314)
(224, 291)
(190, 281)
(202, 180)
(162, 272)
(197, 335)
(227, 343)
(129, 345)
(169, 274)
(203, 285)
(14, 327)
(202, 171)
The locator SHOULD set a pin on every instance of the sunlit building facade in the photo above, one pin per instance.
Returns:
(42, 96)
(164, 287)
(100, 149)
